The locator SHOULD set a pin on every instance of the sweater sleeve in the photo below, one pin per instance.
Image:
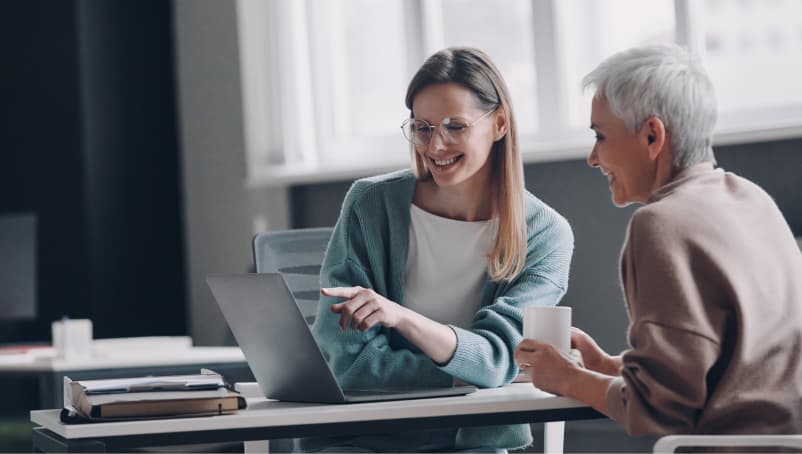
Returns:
(484, 354)
(363, 359)
(663, 384)
(673, 346)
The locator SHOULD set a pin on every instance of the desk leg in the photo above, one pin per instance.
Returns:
(553, 436)
(257, 446)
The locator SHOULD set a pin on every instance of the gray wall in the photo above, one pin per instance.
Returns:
(217, 222)
(221, 213)
(580, 194)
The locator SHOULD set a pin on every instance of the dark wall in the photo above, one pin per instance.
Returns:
(88, 142)
(580, 194)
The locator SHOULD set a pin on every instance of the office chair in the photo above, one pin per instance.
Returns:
(671, 443)
(296, 254)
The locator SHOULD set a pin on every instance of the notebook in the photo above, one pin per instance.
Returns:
(281, 350)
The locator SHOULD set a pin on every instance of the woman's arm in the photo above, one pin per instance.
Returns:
(365, 308)
(484, 354)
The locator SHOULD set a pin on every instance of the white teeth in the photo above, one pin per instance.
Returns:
(445, 162)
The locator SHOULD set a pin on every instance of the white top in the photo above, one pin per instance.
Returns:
(446, 266)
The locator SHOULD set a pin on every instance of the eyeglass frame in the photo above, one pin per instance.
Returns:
(442, 123)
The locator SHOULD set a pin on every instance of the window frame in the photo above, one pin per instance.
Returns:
(290, 138)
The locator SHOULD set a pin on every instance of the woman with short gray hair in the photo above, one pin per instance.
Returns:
(663, 81)
(711, 274)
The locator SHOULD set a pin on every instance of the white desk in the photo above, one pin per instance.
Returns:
(115, 358)
(268, 419)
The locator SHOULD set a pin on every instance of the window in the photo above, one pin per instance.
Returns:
(592, 30)
(324, 80)
(503, 29)
(752, 51)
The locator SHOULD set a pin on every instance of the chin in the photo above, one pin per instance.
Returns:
(445, 181)
(621, 202)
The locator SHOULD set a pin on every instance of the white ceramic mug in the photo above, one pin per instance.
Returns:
(72, 338)
(550, 324)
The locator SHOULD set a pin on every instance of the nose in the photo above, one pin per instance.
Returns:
(593, 158)
(437, 143)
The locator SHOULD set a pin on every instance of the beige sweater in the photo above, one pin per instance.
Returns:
(713, 282)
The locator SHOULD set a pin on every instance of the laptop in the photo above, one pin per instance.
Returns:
(281, 350)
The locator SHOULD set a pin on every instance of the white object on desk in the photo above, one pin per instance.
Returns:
(16, 357)
(72, 338)
(249, 390)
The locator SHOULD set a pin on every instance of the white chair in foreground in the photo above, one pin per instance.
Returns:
(671, 443)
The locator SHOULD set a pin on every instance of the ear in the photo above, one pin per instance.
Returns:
(499, 124)
(653, 134)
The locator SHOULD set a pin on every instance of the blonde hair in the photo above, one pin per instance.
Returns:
(473, 69)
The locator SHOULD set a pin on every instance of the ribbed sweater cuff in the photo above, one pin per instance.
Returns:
(616, 400)
(467, 355)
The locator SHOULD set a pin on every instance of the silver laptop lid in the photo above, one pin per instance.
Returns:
(263, 316)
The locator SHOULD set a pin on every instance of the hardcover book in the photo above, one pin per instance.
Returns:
(203, 394)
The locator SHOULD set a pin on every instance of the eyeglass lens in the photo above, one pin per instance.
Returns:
(420, 132)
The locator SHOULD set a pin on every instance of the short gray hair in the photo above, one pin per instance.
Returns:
(665, 81)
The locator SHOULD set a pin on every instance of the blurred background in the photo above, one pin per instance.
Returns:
(143, 143)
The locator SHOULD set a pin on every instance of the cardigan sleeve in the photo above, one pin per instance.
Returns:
(484, 354)
(366, 359)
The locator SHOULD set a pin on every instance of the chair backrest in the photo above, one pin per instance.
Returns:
(297, 255)
(747, 443)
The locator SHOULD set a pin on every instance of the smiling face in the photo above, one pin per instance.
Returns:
(466, 162)
(623, 157)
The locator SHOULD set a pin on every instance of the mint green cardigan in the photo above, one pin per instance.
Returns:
(369, 248)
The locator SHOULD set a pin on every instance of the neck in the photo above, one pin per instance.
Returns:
(665, 171)
(468, 201)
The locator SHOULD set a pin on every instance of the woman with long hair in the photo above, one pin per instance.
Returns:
(429, 270)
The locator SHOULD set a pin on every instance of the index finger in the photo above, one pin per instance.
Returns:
(341, 292)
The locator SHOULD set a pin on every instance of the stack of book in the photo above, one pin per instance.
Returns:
(203, 394)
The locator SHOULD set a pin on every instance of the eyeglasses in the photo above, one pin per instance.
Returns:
(453, 131)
